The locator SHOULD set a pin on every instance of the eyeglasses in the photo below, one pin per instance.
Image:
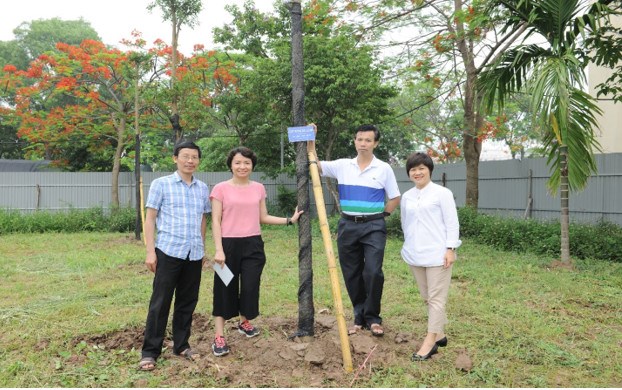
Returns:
(185, 157)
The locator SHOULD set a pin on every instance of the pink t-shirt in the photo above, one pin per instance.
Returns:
(240, 208)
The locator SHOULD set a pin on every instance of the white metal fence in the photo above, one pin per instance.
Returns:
(510, 187)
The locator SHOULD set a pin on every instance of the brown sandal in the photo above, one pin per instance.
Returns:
(147, 364)
(354, 329)
(376, 330)
(188, 354)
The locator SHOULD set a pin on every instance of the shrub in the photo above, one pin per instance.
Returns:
(601, 241)
(74, 220)
(394, 225)
(285, 202)
(122, 220)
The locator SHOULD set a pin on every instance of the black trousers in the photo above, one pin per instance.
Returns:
(246, 258)
(361, 254)
(183, 279)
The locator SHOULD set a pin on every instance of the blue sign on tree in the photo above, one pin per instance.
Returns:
(300, 133)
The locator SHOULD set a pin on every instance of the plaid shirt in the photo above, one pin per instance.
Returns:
(180, 211)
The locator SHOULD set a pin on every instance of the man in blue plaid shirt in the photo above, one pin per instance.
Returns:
(178, 205)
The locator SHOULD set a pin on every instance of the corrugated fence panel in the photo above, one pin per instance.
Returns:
(503, 189)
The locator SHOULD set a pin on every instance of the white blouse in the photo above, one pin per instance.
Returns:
(430, 225)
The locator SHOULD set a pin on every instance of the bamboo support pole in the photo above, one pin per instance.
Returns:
(332, 267)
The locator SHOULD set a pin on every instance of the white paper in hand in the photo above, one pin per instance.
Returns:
(224, 273)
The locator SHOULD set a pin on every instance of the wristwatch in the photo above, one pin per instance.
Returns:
(386, 213)
(453, 249)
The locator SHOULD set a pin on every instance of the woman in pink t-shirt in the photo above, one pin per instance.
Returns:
(238, 209)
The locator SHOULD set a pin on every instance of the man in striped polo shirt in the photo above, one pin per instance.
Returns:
(178, 205)
(368, 193)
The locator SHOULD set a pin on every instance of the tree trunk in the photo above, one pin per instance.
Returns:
(472, 147)
(472, 119)
(138, 227)
(565, 201)
(472, 151)
(116, 165)
(178, 131)
(306, 310)
(174, 119)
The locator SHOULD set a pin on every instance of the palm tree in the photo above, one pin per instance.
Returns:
(553, 76)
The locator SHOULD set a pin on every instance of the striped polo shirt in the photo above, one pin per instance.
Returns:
(362, 193)
(180, 211)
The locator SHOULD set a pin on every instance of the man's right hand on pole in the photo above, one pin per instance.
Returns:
(311, 144)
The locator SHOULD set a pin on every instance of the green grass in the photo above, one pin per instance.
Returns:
(523, 322)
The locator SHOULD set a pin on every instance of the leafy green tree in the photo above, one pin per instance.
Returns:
(201, 80)
(343, 81)
(98, 86)
(12, 53)
(426, 122)
(178, 13)
(457, 37)
(39, 36)
(10, 145)
(605, 46)
(31, 40)
(516, 127)
(553, 75)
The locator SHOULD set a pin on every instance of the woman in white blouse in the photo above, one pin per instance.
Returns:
(431, 230)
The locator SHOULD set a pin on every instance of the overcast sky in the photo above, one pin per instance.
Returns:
(116, 19)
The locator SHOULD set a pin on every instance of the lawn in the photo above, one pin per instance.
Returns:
(519, 320)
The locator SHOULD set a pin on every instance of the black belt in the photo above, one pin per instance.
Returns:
(362, 218)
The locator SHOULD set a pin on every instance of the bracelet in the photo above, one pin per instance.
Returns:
(288, 221)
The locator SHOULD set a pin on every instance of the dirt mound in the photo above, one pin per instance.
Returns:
(274, 359)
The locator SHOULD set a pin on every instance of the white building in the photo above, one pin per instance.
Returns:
(610, 123)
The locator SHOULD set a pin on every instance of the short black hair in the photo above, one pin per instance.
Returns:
(186, 145)
(244, 151)
(417, 159)
(369, 128)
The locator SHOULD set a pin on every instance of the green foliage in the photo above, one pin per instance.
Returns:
(178, 12)
(343, 83)
(394, 225)
(39, 36)
(553, 76)
(90, 220)
(31, 40)
(601, 241)
(286, 200)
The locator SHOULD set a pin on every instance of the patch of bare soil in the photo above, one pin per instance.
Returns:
(558, 264)
(273, 359)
